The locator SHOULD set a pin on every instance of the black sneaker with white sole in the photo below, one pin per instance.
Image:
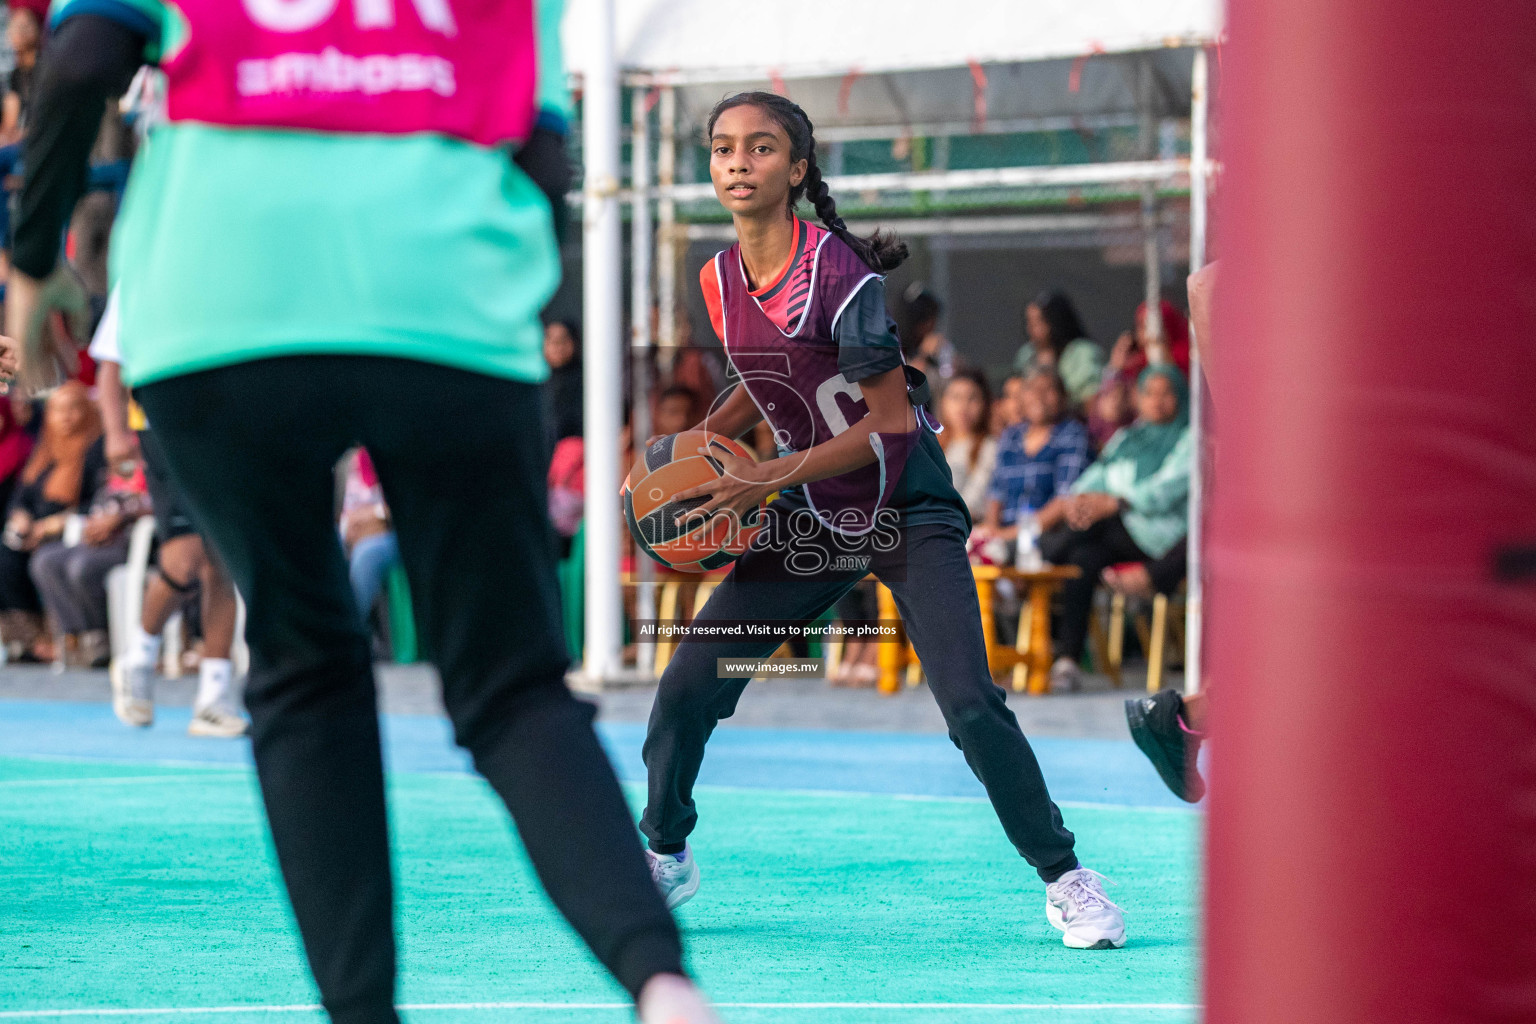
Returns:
(1156, 728)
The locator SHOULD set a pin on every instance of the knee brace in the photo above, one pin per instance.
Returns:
(181, 588)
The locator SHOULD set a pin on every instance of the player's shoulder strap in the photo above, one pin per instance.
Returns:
(843, 274)
(714, 299)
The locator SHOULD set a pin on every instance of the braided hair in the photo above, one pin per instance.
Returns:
(881, 252)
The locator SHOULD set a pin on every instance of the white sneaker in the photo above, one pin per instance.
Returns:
(133, 693)
(216, 721)
(1076, 904)
(673, 999)
(676, 876)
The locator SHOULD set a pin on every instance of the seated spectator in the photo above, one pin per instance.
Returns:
(859, 666)
(365, 531)
(1134, 349)
(1132, 505)
(922, 344)
(563, 390)
(24, 34)
(67, 456)
(1008, 408)
(567, 490)
(964, 412)
(72, 578)
(1038, 460)
(1056, 340)
(1112, 409)
(15, 446)
(677, 409)
(698, 368)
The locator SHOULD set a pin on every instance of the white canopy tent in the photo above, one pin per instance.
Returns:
(704, 41)
(862, 69)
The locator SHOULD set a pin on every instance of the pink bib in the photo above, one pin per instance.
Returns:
(463, 68)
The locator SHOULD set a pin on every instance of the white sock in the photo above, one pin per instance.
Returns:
(143, 648)
(213, 677)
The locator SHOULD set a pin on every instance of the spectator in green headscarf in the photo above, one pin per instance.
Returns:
(1132, 505)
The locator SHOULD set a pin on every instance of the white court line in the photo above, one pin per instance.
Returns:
(958, 1006)
(117, 780)
(856, 794)
(105, 1011)
(233, 767)
(246, 771)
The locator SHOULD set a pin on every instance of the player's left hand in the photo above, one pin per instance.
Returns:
(740, 488)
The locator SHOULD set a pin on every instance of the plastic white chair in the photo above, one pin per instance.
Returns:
(125, 599)
(239, 653)
(125, 586)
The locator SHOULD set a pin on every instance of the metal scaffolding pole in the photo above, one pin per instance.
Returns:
(666, 229)
(640, 240)
(640, 244)
(1054, 176)
(1151, 236)
(602, 299)
(972, 224)
(1198, 185)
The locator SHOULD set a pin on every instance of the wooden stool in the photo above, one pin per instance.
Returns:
(1167, 624)
(1106, 634)
(1028, 660)
(673, 591)
(1154, 635)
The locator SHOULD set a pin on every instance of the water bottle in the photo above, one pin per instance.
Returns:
(1027, 556)
(74, 529)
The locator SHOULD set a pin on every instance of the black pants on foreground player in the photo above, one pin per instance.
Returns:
(788, 574)
(254, 446)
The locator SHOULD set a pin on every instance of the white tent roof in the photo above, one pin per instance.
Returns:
(708, 41)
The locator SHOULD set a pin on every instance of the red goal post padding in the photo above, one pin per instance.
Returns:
(1371, 621)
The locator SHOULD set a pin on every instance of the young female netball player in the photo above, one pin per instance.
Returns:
(331, 218)
(864, 487)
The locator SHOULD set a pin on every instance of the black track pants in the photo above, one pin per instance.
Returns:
(462, 462)
(794, 573)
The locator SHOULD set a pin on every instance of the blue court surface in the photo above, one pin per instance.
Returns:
(848, 877)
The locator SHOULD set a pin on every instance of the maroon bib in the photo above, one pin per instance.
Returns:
(795, 382)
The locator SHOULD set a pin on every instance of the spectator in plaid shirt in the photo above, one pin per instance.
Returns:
(1132, 505)
(1038, 459)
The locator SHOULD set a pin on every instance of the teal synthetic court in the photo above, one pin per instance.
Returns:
(141, 888)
